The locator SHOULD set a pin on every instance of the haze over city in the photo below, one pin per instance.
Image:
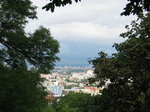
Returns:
(83, 29)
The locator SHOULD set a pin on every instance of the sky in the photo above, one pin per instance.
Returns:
(83, 29)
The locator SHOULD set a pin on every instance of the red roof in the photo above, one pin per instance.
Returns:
(50, 96)
(91, 88)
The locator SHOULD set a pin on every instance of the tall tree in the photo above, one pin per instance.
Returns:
(12, 23)
(128, 71)
(20, 88)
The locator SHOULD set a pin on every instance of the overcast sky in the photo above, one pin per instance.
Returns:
(83, 29)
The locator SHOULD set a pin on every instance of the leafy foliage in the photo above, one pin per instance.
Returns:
(136, 7)
(12, 35)
(14, 18)
(41, 50)
(18, 48)
(77, 102)
(57, 3)
(128, 71)
(21, 91)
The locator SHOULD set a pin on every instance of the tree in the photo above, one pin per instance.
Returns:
(76, 102)
(21, 89)
(48, 109)
(12, 22)
(42, 49)
(19, 48)
(13, 19)
(133, 7)
(128, 71)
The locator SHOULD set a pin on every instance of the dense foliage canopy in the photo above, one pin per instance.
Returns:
(21, 91)
(128, 70)
(20, 88)
(76, 102)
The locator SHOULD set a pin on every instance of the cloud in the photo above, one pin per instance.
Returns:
(83, 28)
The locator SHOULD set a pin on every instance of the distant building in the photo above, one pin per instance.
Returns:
(88, 90)
(91, 72)
(50, 96)
(56, 90)
(78, 75)
(93, 90)
(64, 92)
